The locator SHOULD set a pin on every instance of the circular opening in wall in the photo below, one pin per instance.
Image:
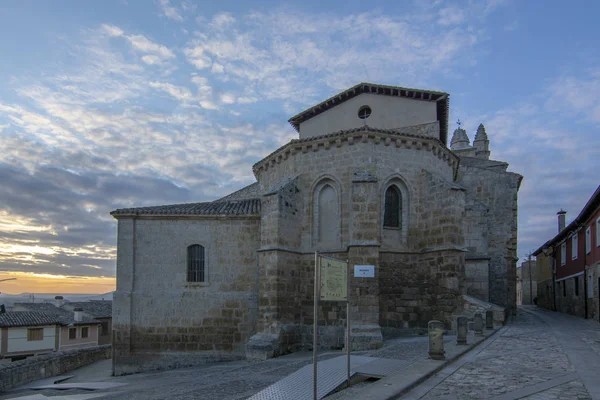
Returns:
(364, 112)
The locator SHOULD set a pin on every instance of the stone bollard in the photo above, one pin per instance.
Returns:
(478, 325)
(436, 340)
(489, 319)
(461, 330)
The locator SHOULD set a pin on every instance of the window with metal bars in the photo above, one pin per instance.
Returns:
(195, 263)
(393, 208)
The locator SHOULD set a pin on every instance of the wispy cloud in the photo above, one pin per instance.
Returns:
(169, 11)
(576, 95)
(153, 53)
(289, 55)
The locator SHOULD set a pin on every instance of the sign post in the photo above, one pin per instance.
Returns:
(315, 320)
(348, 325)
(331, 284)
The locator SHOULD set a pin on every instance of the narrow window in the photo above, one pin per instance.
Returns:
(588, 240)
(563, 253)
(564, 285)
(576, 280)
(195, 263)
(72, 333)
(328, 217)
(598, 232)
(392, 208)
(574, 247)
(84, 332)
(35, 334)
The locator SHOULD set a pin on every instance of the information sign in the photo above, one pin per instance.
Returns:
(334, 279)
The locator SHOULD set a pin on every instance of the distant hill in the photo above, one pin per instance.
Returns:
(9, 299)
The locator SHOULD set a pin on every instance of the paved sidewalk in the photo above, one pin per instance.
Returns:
(541, 355)
(235, 380)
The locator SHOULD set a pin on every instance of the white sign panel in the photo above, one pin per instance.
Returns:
(364, 271)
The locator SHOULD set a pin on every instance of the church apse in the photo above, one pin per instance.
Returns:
(372, 188)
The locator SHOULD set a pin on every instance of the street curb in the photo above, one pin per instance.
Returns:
(388, 389)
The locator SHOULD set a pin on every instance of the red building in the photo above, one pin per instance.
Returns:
(575, 255)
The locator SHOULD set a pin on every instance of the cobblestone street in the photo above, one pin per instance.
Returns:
(541, 355)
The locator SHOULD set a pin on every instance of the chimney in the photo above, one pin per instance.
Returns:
(562, 218)
(58, 301)
(78, 314)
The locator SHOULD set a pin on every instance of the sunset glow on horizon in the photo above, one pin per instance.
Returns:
(29, 282)
(129, 103)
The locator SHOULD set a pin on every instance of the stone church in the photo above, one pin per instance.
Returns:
(370, 179)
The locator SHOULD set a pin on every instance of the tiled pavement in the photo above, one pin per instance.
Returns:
(541, 355)
(235, 380)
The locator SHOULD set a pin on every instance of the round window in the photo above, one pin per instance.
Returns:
(364, 112)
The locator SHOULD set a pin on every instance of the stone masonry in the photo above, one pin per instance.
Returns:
(453, 234)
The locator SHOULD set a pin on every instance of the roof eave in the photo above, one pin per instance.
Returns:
(586, 211)
(365, 87)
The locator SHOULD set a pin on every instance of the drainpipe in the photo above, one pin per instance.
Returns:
(585, 299)
(553, 283)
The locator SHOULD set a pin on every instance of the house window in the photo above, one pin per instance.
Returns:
(564, 285)
(576, 280)
(574, 247)
(598, 232)
(195, 263)
(588, 240)
(35, 334)
(563, 253)
(72, 333)
(392, 208)
(84, 332)
(104, 329)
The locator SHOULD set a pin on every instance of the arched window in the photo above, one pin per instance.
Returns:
(392, 216)
(328, 216)
(326, 209)
(195, 263)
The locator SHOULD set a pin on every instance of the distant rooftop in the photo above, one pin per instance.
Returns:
(27, 318)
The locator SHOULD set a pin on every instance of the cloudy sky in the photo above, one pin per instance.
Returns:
(122, 103)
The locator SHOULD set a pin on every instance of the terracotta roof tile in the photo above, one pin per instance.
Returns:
(94, 308)
(232, 207)
(27, 318)
(64, 317)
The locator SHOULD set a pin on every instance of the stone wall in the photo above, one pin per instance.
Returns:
(156, 312)
(477, 278)
(592, 291)
(489, 183)
(40, 367)
(568, 299)
(416, 288)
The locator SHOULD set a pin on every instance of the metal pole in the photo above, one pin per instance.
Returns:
(315, 320)
(348, 320)
(530, 282)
